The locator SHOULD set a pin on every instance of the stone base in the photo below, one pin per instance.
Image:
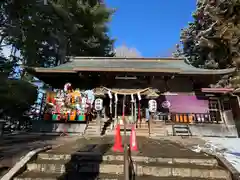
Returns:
(213, 130)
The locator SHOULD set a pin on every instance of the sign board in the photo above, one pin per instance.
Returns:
(166, 104)
(152, 105)
(98, 105)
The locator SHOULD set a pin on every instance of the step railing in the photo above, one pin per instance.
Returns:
(131, 171)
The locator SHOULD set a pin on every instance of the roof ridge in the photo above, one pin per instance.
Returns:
(76, 58)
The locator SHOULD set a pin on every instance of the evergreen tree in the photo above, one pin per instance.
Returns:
(212, 40)
(47, 34)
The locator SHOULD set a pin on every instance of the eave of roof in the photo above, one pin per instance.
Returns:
(217, 90)
(113, 64)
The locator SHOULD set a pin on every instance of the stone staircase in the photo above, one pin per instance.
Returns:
(93, 164)
(157, 129)
(142, 129)
(181, 130)
(93, 128)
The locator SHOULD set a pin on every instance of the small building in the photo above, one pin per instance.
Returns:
(182, 92)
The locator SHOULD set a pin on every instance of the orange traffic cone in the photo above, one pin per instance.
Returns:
(118, 140)
(133, 140)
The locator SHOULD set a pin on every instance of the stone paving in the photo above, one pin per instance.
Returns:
(162, 158)
(161, 147)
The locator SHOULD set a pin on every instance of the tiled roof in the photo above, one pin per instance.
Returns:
(81, 64)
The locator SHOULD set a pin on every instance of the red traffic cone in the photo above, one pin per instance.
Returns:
(133, 140)
(118, 141)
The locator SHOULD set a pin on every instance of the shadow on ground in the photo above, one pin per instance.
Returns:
(87, 165)
(12, 148)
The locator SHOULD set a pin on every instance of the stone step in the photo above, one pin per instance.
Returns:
(157, 134)
(182, 132)
(155, 127)
(90, 127)
(142, 130)
(30, 175)
(85, 156)
(116, 167)
(142, 134)
(92, 130)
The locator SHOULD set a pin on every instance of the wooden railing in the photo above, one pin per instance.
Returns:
(188, 118)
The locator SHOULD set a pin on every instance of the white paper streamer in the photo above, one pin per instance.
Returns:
(116, 97)
(139, 96)
(132, 98)
(110, 94)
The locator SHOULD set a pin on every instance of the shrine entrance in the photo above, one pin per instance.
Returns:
(127, 103)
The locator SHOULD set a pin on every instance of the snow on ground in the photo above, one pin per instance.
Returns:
(229, 148)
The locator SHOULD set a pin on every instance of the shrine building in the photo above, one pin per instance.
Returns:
(182, 92)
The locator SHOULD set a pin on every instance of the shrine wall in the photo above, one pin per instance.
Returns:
(182, 103)
(180, 84)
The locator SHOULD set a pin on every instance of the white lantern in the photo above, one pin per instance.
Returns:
(98, 105)
(152, 105)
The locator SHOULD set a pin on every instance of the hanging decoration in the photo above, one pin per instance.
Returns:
(131, 92)
(67, 105)
(116, 97)
(139, 96)
(109, 94)
(110, 103)
(132, 98)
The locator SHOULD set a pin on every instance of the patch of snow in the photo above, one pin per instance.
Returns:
(229, 148)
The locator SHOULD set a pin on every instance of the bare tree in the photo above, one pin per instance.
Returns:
(124, 51)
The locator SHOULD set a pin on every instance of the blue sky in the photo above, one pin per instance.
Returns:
(152, 27)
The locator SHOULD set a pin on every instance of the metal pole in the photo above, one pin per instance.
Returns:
(99, 121)
(126, 173)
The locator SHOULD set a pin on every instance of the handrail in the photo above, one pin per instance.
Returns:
(131, 171)
(126, 172)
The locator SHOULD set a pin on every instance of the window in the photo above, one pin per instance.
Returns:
(213, 104)
(214, 110)
(226, 105)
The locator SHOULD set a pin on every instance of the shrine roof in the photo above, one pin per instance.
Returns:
(115, 64)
